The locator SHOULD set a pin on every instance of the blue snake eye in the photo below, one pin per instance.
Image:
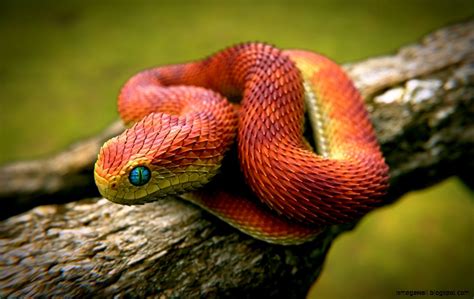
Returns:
(139, 176)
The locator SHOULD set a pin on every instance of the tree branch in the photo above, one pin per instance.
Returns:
(421, 101)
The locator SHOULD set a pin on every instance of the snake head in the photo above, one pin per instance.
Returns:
(159, 156)
(122, 176)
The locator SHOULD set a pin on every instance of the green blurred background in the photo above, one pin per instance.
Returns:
(62, 64)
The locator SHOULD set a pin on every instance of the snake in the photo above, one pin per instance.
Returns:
(249, 101)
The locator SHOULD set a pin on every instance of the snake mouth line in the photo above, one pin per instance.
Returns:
(134, 197)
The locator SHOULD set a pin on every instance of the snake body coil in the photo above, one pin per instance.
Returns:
(183, 127)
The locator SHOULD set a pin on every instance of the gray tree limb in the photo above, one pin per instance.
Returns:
(421, 101)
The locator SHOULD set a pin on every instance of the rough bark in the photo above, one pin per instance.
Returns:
(61, 178)
(421, 101)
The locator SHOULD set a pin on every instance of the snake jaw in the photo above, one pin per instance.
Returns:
(163, 183)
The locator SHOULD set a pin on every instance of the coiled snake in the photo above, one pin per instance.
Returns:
(183, 126)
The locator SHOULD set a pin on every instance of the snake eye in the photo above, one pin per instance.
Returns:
(139, 176)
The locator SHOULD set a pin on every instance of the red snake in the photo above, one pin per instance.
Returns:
(183, 126)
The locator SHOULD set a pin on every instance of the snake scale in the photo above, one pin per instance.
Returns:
(182, 125)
